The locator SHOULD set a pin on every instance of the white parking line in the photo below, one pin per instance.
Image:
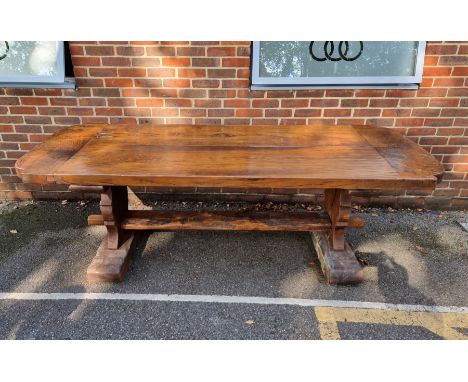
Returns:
(231, 300)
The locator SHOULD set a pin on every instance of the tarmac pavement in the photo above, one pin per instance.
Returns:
(231, 285)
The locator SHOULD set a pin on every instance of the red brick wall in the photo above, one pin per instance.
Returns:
(208, 83)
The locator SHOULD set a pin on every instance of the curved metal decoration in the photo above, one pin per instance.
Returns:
(329, 49)
(7, 46)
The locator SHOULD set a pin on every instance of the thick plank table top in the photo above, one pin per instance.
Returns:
(346, 157)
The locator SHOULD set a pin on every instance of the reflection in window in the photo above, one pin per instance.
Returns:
(32, 62)
(280, 63)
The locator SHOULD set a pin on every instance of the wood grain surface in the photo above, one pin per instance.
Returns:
(345, 157)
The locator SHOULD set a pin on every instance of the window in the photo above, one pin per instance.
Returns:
(337, 64)
(34, 64)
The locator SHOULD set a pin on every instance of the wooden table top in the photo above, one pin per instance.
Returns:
(348, 157)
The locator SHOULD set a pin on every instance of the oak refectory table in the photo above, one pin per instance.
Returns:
(110, 158)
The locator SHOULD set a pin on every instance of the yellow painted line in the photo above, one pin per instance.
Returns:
(442, 324)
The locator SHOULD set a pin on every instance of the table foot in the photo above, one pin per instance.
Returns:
(111, 264)
(339, 267)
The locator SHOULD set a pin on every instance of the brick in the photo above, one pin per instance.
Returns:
(280, 94)
(193, 112)
(176, 83)
(307, 112)
(190, 51)
(118, 102)
(339, 93)
(460, 71)
(150, 62)
(369, 93)
(164, 92)
(99, 51)
(170, 102)
(448, 82)
(86, 61)
(191, 73)
(237, 103)
(221, 93)
(249, 112)
(118, 82)
(337, 113)
(400, 93)
(453, 60)
(14, 137)
(444, 150)
(221, 113)
(410, 122)
(278, 113)
(315, 93)
(433, 141)
(386, 102)
(444, 102)
(192, 93)
(294, 103)
(414, 102)
(237, 62)
(221, 73)
(28, 129)
(22, 110)
(44, 110)
(144, 102)
(436, 92)
(108, 111)
(326, 102)
(441, 49)
(366, 113)
(80, 111)
(352, 102)
(160, 51)
(116, 61)
(207, 103)
(243, 51)
(400, 112)
(221, 51)
(424, 112)
(176, 61)
(265, 103)
(438, 122)
(130, 51)
(205, 83)
(13, 100)
(132, 72)
(459, 112)
(147, 82)
(138, 112)
(450, 131)
(458, 141)
(103, 72)
(292, 122)
(205, 62)
(436, 71)
(236, 83)
(99, 92)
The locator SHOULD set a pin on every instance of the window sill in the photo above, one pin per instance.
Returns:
(311, 87)
(68, 84)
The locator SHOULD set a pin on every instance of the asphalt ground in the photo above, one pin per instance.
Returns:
(231, 285)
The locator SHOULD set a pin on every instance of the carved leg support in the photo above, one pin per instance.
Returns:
(113, 256)
(338, 262)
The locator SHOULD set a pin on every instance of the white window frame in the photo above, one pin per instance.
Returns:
(374, 82)
(32, 81)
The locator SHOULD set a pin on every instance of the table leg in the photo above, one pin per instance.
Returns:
(338, 262)
(113, 256)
